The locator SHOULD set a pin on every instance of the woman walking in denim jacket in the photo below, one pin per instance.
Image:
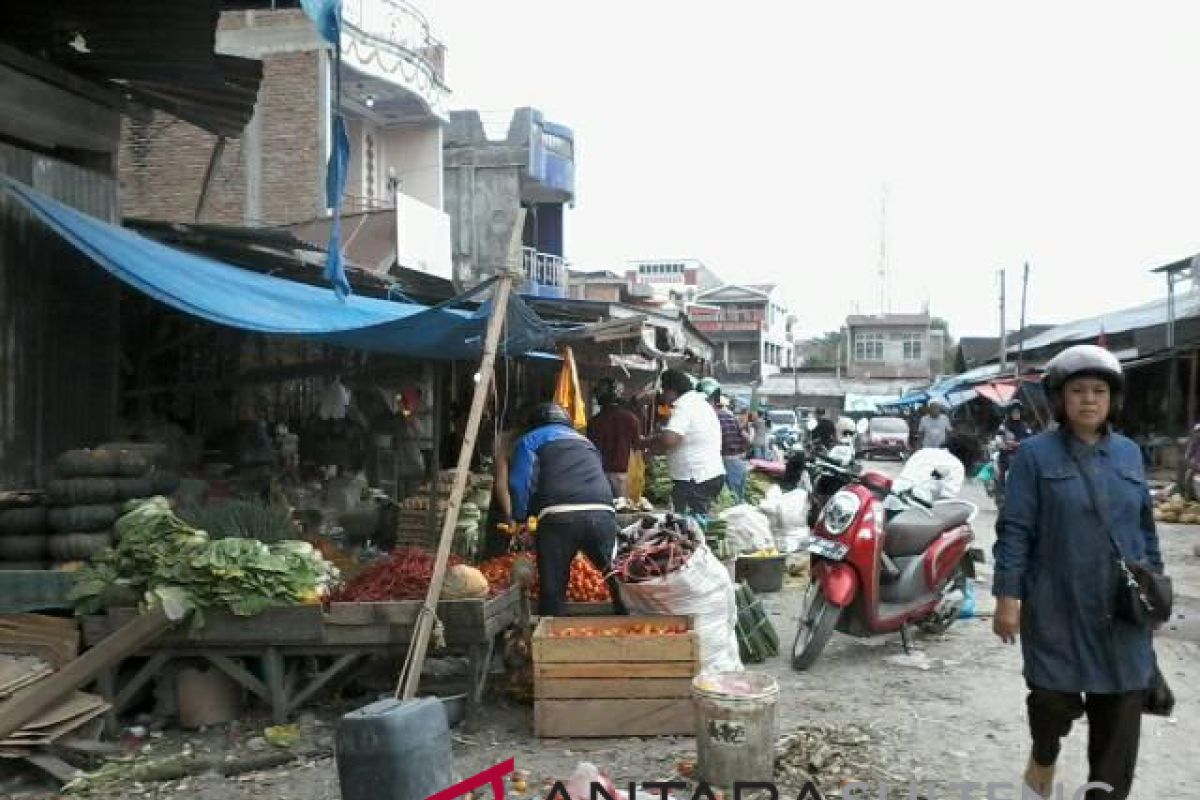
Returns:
(1054, 574)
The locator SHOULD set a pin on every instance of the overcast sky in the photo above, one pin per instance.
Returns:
(759, 137)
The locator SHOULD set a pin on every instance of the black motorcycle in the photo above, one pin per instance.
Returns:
(812, 468)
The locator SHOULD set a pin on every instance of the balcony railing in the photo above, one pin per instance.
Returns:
(392, 40)
(544, 269)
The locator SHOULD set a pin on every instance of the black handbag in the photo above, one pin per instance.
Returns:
(1141, 596)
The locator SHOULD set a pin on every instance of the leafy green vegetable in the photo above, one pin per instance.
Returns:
(240, 519)
(169, 564)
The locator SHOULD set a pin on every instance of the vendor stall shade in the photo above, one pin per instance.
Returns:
(236, 298)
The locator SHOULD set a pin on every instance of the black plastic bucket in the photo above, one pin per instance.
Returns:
(762, 573)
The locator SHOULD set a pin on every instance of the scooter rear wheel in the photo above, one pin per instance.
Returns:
(818, 618)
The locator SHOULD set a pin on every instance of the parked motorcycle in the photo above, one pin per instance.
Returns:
(820, 472)
(883, 560)
(1001, 449)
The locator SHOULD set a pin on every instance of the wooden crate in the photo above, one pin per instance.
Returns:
(614, 685)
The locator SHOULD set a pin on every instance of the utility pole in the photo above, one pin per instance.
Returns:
(1003, 328)
(1021, 330)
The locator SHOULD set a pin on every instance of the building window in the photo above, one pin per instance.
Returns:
(868, 346)
(913, 347)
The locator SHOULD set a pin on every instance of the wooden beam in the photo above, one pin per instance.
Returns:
(321, 681)
(411, 677)
(130, 638)
(239, 674)
(213, 160)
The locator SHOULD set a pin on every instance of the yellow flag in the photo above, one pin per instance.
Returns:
(568, 394)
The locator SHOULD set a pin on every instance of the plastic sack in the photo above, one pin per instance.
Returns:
(748, 529)
(637, 476)
(792, 511)
(579, 785)
(702, 589)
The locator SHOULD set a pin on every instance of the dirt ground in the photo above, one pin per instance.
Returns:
(951, 712)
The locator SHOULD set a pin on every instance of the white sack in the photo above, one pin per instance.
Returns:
(748, 530)
(703, 590)
(792, 511)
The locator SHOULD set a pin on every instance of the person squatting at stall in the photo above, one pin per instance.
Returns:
(1076, 498)
(615, 431)
(734, 439)
(557, 476)
(691, 440)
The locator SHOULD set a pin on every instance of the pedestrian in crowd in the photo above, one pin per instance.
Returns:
(760, 428)
(615, 431)
(691, 440)
(557, 475)
(824, 431)
(935, 426)
(734, 439)
(1056, 573)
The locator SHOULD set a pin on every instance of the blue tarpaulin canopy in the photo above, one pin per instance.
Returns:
(238, 298)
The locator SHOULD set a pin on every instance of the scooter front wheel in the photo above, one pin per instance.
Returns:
(818, 618)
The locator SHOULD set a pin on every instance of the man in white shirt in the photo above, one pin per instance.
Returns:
(691, 441)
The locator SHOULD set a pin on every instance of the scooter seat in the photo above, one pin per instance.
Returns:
(910, 532)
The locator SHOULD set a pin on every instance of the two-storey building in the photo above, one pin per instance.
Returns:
(892, 346)
(393, 97)
(751, 328)
(669, 281)
(489, 181)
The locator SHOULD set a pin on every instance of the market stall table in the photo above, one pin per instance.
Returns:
(283, 638)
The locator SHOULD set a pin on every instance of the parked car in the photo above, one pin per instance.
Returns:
(884, 436)
(785, 427)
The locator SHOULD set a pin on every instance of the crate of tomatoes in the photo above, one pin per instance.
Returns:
(614, 676)
(586, 584)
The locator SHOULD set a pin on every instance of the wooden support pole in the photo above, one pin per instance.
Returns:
(213, 160)
(424, 627)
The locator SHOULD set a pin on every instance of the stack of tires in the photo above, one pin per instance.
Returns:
(87, 495)
(23, 539)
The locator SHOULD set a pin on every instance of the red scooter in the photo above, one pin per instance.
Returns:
(882, 561)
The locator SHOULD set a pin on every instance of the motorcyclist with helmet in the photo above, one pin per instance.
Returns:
(557, 476)
(1076, 502)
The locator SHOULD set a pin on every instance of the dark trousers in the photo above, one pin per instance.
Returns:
(690, 497)
(1114, 731)
(559, 538)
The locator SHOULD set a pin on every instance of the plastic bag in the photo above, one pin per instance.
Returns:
(701, 589)
(748, 529)
(792, 511)
(637, 476)
(970, 601)
(579, 785)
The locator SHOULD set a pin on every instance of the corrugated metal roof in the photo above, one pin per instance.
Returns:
(158, 53)
(1127, 319)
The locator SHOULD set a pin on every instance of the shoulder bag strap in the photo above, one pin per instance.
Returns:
(1097, 500)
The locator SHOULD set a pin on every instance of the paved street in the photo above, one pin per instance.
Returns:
(953, 712)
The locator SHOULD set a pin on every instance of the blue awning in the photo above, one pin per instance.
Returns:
(238, 298)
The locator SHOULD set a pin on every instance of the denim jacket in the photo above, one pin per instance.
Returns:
(1053, 553)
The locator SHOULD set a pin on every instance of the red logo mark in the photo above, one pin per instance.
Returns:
(492, 775)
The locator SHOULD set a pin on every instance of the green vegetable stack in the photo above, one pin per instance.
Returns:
(757, 638)
(756, 488)
(658, 481)
(714, 537)
(169, 564)
(725, 501)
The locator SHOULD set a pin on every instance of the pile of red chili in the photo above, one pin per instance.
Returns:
(404, 574)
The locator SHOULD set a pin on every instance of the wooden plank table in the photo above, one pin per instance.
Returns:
(339, 638)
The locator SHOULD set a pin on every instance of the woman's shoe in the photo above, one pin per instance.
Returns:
(1039, 779)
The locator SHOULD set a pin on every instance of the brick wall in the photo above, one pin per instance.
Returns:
(162, 162)
(292, 171)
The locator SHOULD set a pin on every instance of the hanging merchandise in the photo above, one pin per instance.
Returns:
(568, 394)
(334, 401)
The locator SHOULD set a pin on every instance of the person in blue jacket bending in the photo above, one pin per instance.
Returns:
(557, 476)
